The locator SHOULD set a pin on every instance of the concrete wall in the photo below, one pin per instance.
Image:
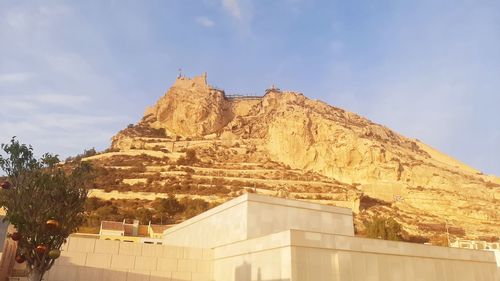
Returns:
(264, 259)
(304, 256)
(319, 256)
(251, 215)
(268, 215)
(221, 225)
(86, 259)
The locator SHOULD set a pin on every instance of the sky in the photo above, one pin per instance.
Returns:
(73, 73)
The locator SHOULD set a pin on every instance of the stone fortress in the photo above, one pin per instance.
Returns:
(262, 238)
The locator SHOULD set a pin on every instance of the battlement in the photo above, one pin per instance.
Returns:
(186, 82)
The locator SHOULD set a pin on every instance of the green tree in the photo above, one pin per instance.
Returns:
(168, 207)
(144, 215)
(193, 207)
(43, 201)
(384, 228)
(93, 203)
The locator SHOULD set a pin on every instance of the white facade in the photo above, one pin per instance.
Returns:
(251, 216)
(260, 238)
(476, 245)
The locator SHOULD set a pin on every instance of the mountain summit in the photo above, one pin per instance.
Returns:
(199, 141)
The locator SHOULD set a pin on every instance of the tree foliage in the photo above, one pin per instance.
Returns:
(169, 206)
(189, 159)
(86, 153)
(159, 211)
(384, 228)
(194, 207)
(40, 191)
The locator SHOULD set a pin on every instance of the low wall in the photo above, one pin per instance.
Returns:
(84, 259)
(304, 256)
(319, 256)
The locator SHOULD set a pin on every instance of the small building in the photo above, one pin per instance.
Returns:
(476, 245)
(132, 231)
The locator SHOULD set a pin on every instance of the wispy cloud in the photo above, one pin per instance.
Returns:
(233, 8)
(24, 104)
(15, 77)
(62, 100)
(71, 121)
(57, 96)
(241, 12)
(204, 21)
(16, 19)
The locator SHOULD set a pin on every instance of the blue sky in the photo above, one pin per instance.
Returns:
(73, 73)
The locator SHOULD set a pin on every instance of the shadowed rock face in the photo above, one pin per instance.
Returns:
(412, 180)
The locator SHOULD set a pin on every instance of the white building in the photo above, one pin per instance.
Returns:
(132, 232)
(476, 245)
(260, 238)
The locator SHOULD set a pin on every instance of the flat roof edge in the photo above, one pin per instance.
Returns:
(251, 197)
(298, 204)
(327, 241)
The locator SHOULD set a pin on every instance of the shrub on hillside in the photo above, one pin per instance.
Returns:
(189, 159)
(384, 228)
(86, 153)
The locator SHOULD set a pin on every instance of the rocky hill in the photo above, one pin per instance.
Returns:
(199, 142)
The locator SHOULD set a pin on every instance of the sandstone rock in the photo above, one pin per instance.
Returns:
(191, 108)
(288, 131)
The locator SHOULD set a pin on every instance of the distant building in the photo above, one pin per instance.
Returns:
(476, 245)
(132, 232)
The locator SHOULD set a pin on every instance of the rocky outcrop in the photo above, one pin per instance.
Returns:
(310, 135)
(404, 177)
(191, 108)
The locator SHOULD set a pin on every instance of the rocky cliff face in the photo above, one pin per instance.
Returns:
(349, 157)
(191, 108)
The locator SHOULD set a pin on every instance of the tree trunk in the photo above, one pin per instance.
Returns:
(35, 275)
